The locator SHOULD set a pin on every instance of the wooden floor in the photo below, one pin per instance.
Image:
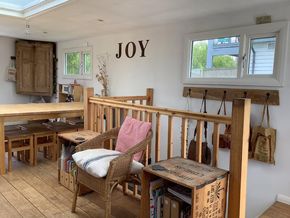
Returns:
(35, 192)
(277, 210)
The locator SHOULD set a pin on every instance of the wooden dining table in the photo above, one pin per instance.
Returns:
(34, 111)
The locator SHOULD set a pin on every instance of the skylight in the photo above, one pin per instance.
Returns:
(27, 8)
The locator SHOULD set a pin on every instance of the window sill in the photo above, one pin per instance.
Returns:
(78, 77)
(257, 82)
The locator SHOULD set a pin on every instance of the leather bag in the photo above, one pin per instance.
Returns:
(263, 140)
(206, 152)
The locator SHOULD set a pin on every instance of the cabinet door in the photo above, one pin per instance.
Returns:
(25, 67)
(43, 68)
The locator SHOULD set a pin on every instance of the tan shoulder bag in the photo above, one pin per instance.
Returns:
(263, 139)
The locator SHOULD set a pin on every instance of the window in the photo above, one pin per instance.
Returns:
(253, 55)
(78, 63)
(215, 58)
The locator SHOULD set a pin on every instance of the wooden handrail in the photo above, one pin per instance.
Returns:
(124, 98)
(163, 111)
(148, 98)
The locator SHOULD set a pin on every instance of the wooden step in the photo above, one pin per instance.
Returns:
(277, 210)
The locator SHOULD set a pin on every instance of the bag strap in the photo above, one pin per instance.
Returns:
(203, 106)
(223, 104)
(266, 110)
(205, 111)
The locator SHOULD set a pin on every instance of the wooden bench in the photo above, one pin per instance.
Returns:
(43, 138)
(19, 141)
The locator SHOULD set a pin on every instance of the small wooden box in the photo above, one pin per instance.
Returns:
(208, 185)
(67, 180)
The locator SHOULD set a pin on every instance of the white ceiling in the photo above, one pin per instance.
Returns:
(79, 18)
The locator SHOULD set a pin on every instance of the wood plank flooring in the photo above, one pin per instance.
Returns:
(35, 192)
(277, 210)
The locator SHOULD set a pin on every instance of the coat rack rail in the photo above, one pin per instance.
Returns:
(257, 96)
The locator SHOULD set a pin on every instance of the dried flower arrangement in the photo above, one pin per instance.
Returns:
(102, 76)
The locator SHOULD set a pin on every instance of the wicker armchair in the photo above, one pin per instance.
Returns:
(119, 170)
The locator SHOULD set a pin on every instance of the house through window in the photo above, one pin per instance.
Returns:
(253, 55)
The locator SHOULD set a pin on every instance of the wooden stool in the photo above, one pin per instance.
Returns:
(19, 141)
(12, 128)
(43, 138)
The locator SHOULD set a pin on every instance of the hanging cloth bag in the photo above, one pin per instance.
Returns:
(263, 140)
(206, 152)
(225, 138)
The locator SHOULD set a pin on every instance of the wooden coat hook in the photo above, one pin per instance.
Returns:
(256, 95)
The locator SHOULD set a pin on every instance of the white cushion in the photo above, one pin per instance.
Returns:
(96, 162)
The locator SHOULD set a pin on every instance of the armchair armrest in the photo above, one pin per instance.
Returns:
(98, 141)
(120, 167)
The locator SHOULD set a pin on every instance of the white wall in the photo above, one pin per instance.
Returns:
(162, 70)
(8, 89)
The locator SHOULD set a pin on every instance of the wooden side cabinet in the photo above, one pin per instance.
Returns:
(35, 68)
(206, 188)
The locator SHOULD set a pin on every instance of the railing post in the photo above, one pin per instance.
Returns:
(88, 92)
(149, 95)
(239, 158)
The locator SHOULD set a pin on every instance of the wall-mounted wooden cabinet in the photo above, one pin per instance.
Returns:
(35, 68)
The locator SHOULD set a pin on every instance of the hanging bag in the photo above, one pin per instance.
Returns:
(206, 152)
(263, 139)
(225, 138)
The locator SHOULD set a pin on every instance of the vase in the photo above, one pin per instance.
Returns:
(104, 92)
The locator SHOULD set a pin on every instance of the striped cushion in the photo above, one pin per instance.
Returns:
(96, 162)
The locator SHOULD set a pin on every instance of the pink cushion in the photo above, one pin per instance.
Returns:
(131, 133)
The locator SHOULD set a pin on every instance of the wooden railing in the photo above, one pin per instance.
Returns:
(115, 111)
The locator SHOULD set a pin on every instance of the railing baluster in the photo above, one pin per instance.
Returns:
(138, 115)
(101, 118)
(184, 137)
(98, 118)
(93, 117)
(105, 125)
(216, 136)
(126, 111)
(198, 152)
(157, 138)
(110, 125)
(118, 117)
(148, 149)
(170, 137)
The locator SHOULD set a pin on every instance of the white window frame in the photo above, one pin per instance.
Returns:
(81, 74)
(246, 34)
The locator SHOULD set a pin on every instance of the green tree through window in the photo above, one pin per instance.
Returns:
(199, 54)
(78, 63)
(225, 61)
(73, 61)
